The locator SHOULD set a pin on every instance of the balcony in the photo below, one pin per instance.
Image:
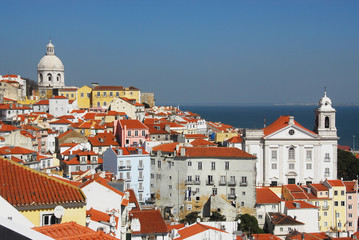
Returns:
(222, 182)
(232, 183)
(209, 182)
(140, 189)
(231, 196)
(189, 182)
(197, 182)
(243, 184)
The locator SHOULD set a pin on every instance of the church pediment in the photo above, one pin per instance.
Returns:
(292, 132)
(292, 174)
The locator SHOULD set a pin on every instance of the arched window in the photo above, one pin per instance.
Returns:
(98, 104)
(104, 104)
(40, 77)
(326, 122)
(291, 154)
(49, 77)
(58, 77)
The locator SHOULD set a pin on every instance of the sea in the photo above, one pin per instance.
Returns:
(347, 118)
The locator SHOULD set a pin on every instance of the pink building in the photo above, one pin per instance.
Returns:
(352, 206)
(130, 132)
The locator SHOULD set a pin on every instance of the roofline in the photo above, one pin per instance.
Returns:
(47, 206)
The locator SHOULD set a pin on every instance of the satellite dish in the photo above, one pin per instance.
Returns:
(239, 221)
(92, 171)
(198, 220)
(59, 211)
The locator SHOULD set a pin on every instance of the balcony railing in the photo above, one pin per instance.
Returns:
(243, 184)
(222, 182)
(232, 183)
(231, 196)
(197, 182)
(189, 182)
(140, 167)
(209, 182)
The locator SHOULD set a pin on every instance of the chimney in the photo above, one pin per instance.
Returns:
(183, 151)
(94, 84)
(291, 120)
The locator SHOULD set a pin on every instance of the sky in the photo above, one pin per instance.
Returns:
(191, 52)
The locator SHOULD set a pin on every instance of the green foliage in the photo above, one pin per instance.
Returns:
(31, 85)
(191, 218)
(248, 224)
(217, 217)
(348, 165)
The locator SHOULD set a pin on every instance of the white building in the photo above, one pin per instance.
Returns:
(288, 153)
(50, 70)
(132, 165)
(59, 105)
(303, 212)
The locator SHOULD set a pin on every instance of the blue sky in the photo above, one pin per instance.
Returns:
(193, 52)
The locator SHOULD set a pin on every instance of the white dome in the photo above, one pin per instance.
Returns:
(50, 62)
(325, 103)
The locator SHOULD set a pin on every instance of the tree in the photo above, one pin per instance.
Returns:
(348, 165)
(217, 217)
(248, 224)
(191, 217)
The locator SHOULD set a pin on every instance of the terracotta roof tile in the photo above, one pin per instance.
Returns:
(235, 139)
(265, 236)
(298, 205)
(350, 185)
(72, 231)
(336, 183)
(166, 147)
(104, 88)
(281, 219)
(319, 187)
(15, 150)
(132, 124)
(266, 196)
(151, 221)
(202, 142)
(194, 229)
(22, 186)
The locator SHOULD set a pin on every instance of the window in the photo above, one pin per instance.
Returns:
(244, 179)
(214, 191)
(274, 166)
(105, 94)
(77, 168)
(260, 216)
(342, 203)
(326, 173)
(274, 183)
(232, 179)
(335, 192)
(104, 104)
(153, 162)
(281, 229)
(350, 224)
(143, 133)
(339, 224)
(82, 94)
(326, 122)
(72, 95)
(159, 164)
(129, 133)
(309, 155)
(199, 165)
(309, 166)
(98, 104)
(336, 203)
(350, 215)
(189, 178)
(117, 94)
(349, 197)
(189, 163)
(325, 224)
(243, 193)
(342, 192)
(98, 94)
(136, 133)
(196, 178)
(49, 77)
(170, 187)
(88, 95)
(140, 174)
(111, 94)
(226, 165)
(49, 219)
(158, 176)
(291, 165)
(210, 179)
(213, 165)
(327, 157)
(128, 175)
(274, 155)
(291, 153)
(325, 213)
(350, 206)
(152, 176)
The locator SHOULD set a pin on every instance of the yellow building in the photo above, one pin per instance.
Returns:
(84, 97)
(39, 195)
(70, 93)
(103, 95)
(337, 191)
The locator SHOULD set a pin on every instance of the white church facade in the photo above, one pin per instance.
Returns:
(288, 153)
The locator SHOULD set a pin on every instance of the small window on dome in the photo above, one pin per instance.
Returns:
(58, 77)
(40, 77)
(49, 77)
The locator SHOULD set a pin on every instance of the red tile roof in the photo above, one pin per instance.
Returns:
(319, 187)
(132, 124)
(267, 196)
(15, 150)
(235, 139)
(175, 226)
(194, 229)
(202, 142)
(151, 222)
(350, 185)
(99, 216)
(113, 88)
(132, 199)
(293, 188)
(42, 102)
(62, 121)
(300, 204)
(22, 186)
(336, 183)
(265, 236)
(72, 231)
(103, 139)
(7, 128)
(310, 236)
(281, 122)
(166, 147)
